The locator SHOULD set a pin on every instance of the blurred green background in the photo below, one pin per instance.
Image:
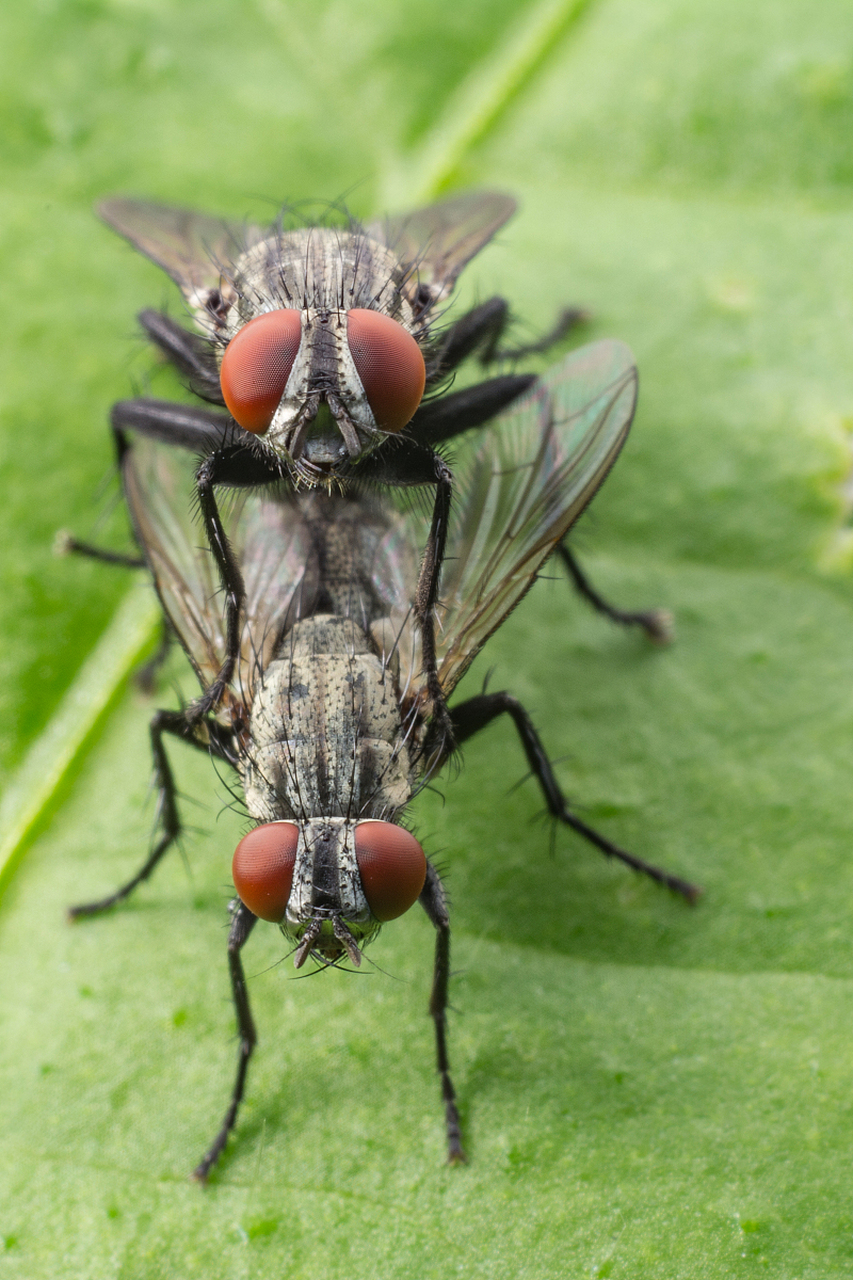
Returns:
(646, 1090)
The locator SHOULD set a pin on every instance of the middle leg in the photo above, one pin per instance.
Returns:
(472, 716)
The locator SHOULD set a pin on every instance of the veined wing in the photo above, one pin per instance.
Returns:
(435, 243)
(394, 563)
(268, 539)
(191, 247)
(536, 470)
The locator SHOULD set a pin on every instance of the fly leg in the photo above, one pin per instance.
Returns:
(242, 923)
(233, 466)
(188, 352)
(198, 430)
(169, 822)
(459, 411)
(471, 716)
(450, 415)
(434, 902)
(226, 462)
(67, 545)
(232, 585)
(188, 426)
(657, 623)
(426, 596)
(567, 319)
(480, 331)
(145, 676)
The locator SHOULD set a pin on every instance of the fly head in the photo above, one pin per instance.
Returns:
(321, 353)
(329, 883)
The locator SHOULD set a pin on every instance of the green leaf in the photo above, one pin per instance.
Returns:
(646, 1089)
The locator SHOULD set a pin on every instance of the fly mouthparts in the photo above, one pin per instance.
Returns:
(309, 937)
(343, 936)
(348, 942)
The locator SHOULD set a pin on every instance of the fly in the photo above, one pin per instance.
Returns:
(319, 340)
(329, 720)
(322, 345)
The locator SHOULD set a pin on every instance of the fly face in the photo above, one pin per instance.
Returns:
(329, 883)
(319, 354)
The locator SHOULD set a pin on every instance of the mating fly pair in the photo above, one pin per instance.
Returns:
(326, 690)
(322, 344)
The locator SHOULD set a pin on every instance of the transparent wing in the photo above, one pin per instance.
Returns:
(537, 468)
(268, 538)
(393, 567)
(435, 243)
(190, 247)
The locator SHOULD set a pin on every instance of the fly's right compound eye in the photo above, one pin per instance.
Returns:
(263, 869)
(392, 866)
(257, 365)
(390, 365)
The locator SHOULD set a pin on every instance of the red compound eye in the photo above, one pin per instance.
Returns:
(263, 868)
(390, 365)
(256, 366)
(392, 866)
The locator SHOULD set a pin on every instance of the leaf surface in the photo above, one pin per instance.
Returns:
(646, 1089)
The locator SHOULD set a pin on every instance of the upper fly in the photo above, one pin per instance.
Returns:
(318, 338)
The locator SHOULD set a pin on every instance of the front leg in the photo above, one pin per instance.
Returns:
(242, 923)
(450, 415)
(188, 352)
(433, 899)
(229, 461)
(472, 716)
(405, 463)
(239, 467)
(426, 598)
(231, 578)
(188, 426)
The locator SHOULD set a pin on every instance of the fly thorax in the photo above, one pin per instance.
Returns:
(322, 267)
(326, 737)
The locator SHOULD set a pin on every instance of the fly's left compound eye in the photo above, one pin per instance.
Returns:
(263, 868)
(392, 866)
(390, 365)
(257, 365)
